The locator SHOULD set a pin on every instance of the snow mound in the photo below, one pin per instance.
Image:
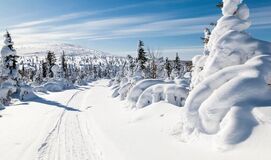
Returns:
(55, 86)
(139, 88)
(124, 89)
(234, 79)
(171, 93)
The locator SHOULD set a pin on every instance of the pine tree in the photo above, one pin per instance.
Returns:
(44, 69)
(51, 60)
(177, 67)
(9, 58)
(177, 63)
(64, 65)
(22, 72)
(9, 77)
(131, 65)
(141, 58)
(168, 68)
(153, 63)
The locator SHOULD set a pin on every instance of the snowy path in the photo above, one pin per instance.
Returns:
(56, 130)
(71, 138)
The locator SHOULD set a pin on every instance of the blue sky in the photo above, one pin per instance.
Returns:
(115, 26)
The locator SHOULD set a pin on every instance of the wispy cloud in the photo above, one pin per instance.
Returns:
(51, 20)
(261, 18)
(131, 26)
(71, 16)
(111, 28)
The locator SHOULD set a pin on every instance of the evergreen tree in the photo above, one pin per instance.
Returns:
(95, 72)
(44, 69)
(51, 60)
(23, 72)
(9, 77)
(178, 69)
(64, 65)
(168, 68)
(131, 65)
(153, 63)
(9, 58)
(177, 63)
(141, 58)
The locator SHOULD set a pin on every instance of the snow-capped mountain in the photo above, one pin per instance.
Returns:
(69, 49)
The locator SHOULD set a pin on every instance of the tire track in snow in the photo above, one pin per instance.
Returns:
(68, 140)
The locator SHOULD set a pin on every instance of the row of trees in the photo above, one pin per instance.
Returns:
(150, 64)
(71, 68)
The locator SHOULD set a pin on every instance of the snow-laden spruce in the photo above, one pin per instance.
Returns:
(9, 71)
(230, 82)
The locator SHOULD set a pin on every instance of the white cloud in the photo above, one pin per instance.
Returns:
(133, 26)
(261, 18)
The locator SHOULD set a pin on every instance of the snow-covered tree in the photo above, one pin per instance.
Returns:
(154, 57)
(44, 69)
(9, 58)
(168, 68)
(141, 57)
(64, 65)
(234, 81)
(51, 60)
(9, 73)
(178, 69)
(131, 65)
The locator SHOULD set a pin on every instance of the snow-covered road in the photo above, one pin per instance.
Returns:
(87, 124)
(71, 138)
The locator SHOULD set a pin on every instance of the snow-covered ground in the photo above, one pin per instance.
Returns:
(86, 123)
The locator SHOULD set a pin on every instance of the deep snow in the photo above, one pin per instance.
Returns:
(86, 123)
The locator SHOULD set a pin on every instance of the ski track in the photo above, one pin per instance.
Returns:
(71, 137)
